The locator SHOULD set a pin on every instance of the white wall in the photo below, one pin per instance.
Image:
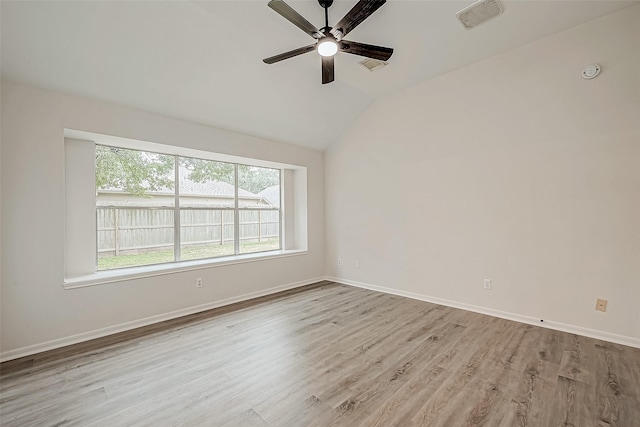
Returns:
(36, 311)
(514, 169)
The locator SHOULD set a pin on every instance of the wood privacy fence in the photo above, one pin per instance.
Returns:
(123, 231)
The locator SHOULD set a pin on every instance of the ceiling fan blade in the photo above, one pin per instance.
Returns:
(327, 69)
(355, 16)
(367, 50)
(295, 18)
(290, 54)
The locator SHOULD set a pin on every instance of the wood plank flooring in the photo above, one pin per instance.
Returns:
(328, 355)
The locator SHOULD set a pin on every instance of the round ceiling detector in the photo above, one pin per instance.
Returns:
(591, 71)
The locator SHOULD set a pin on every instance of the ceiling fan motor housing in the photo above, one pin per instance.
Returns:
(325, 3)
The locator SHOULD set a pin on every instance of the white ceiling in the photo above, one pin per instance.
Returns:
(202, 61)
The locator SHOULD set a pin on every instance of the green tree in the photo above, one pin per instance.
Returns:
(133, 171)
(256, 179)
(206, 170)
(138, 172)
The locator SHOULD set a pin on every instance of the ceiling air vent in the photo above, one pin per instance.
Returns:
(372, 64)
(479, 12)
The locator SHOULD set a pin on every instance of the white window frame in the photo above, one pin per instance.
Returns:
(80, 147)
(177, 210)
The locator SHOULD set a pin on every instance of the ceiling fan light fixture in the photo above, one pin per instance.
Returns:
(327, 47)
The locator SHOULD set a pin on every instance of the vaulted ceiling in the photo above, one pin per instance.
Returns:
(202, 61)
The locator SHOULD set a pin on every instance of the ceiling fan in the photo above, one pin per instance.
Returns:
(329, 40)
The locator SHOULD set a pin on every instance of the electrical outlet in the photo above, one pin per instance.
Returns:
(199, 282)
(487, 284)
(339, 261)
(601, 305)
(357, 264)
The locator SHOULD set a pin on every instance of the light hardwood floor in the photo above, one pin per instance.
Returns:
(328, 355)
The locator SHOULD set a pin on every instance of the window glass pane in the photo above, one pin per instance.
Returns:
(132, 187)
(134, 178)
(206, 184)
(205, 233)
(258, 187)
(259, 230)
(130, 237)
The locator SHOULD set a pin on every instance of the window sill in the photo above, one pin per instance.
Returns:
(124, 274)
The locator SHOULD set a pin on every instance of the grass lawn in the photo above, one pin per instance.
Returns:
(187, 253)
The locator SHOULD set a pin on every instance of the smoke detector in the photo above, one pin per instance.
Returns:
(372, 64)
(479, 12)
(591, 71)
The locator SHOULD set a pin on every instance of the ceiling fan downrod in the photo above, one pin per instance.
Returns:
(326, 4)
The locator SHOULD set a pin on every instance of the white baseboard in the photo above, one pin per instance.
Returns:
(103, 332)
(578, 330)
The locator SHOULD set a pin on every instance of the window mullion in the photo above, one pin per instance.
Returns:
(176, 211)
(236, 214)
(280, 231)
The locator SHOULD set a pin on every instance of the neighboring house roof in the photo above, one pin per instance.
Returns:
(211, 188)
(191, 188)
(272, 194)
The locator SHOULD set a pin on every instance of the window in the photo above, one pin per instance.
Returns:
(154, 208)
(167, 208)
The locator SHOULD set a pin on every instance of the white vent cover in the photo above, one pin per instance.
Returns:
(479, 12)
(372, 64)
